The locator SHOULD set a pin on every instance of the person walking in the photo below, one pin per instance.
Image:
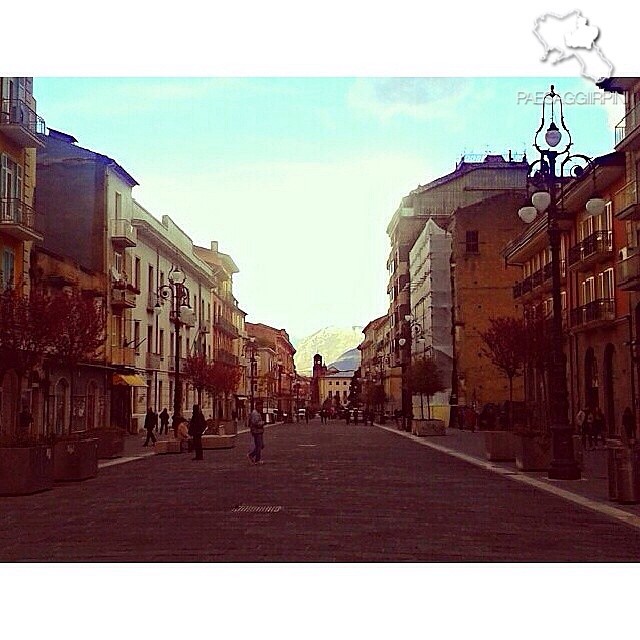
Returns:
(307, 411)
(588, 429)
(256, 426)
(150, 423)
(164, 421)
(629, 424)
(197, 425)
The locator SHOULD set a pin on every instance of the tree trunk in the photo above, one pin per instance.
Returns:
(421, 406)
(510, 403)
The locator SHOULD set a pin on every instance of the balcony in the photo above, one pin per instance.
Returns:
(625, 202)
(122, 298)
(627, 273)
(172, 364)
(152, 361)
(123, 234)
(18, 219)
(628, 131)
(593, 249)
(221, 355)
(597, 311)
(152, 301)
(227, 327)
(21, 124)
(123, 356)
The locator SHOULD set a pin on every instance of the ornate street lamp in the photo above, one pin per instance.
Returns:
(178, 294)
(251, 347)
(547, 174)
(415, 334)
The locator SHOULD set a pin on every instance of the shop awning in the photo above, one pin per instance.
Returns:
(130, 379)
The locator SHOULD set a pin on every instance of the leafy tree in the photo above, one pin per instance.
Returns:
(25, 336)
(425, 378)
(505, 345)
(355, 389)
(77, 326)
(196, 369)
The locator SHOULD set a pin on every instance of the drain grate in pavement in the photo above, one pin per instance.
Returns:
(247, 508)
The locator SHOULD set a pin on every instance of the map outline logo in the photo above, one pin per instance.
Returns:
(571, 36)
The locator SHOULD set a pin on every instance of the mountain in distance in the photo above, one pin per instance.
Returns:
(331, 343)
(348, 361)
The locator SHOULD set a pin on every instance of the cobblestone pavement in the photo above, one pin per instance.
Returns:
(346, 493)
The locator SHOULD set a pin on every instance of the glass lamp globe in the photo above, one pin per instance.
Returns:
(528, 214)
(553, 135)
(176, 276)
(541, 201)
(595, 206)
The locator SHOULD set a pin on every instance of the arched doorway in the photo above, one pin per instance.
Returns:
(62, 406)
(8, 403)
(590, 379)
(608, 374)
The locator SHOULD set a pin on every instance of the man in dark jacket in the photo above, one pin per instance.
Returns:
(150, 423)
(197, 426)
(164, 421)
(256, 427)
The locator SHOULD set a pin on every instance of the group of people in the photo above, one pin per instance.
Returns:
(196, 427)
(592, 426)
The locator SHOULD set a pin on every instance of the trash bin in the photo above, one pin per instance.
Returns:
(613, 446)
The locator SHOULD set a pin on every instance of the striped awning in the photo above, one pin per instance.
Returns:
(130, 379)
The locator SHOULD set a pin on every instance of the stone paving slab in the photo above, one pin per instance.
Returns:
(348, 493)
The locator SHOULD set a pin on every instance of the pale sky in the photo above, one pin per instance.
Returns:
(297, 178)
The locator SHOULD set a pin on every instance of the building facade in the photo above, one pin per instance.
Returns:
(20, 221)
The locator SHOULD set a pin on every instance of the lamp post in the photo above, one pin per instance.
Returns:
(555, 164)
(407, 395)
(178, 295)
(251, 346)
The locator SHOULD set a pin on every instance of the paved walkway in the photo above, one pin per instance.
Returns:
(326, 493)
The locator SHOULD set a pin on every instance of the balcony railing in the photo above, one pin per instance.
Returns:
(537, 278)
(625, 202)
(224, 356)
(122, 298)
(21, 123)
(628, 124)
(123, 233)
(18, 219)
(628, 273)
(125, 356)
(602, 309)
(153, 361)
(596, 244)
(226, 326)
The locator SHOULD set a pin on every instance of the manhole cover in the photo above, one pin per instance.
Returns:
(247, 508)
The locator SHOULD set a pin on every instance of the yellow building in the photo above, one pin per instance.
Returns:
(19, 224)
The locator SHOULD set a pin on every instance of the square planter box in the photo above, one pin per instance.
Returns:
(219, 442)
(25, 470)
(75, 459)
(500, 446)
(421, 427)
(532, 453)
(110, 442)
(167, 446)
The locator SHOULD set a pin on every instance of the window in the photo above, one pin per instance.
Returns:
(149, 338)
(471, 241)
(10, 178)
(161, 343)
(586, 228)
(8, 268)
(605, 284)
(152, 284)
(136, 335)
(118, 262)
(118, 206)
(588, 290)
(136, 274)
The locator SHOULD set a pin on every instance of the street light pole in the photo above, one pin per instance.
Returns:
(178, 294)
(546, 174)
